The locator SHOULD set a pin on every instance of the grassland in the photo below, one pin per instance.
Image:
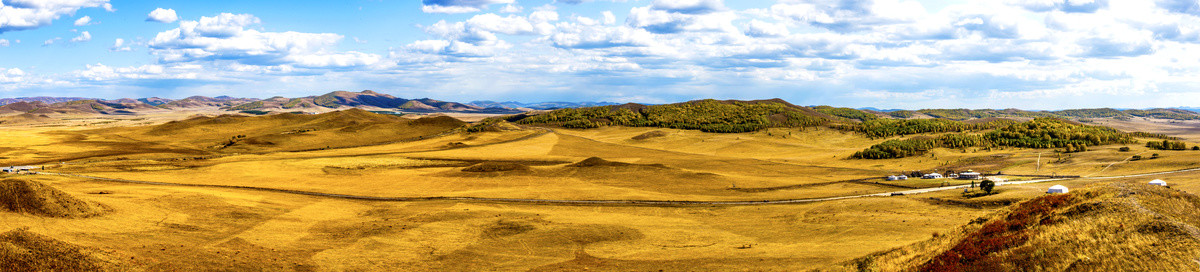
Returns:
(162, 227)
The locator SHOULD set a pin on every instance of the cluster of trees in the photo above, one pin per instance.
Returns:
(904, 114)
(1140, 134)
(1090, 113)
(847, 113)
(704, 115)
(884, 128)
(1173, 114)
(1166, 145)
(965, 114)
(1055, 133)
(893, 149)
(1036, 133)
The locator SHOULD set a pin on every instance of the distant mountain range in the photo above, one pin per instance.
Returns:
(374, 101)
(538, 106)
(365, 99)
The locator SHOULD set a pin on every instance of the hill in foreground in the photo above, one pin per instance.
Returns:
(1106, 227)
(22, 250)
(32, 197)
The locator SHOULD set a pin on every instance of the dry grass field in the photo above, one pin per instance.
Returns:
(234, 202)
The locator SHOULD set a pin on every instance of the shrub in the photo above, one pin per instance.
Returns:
(1124, 149)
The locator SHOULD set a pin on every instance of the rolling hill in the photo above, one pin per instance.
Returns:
(1118, 226)
(287, 131)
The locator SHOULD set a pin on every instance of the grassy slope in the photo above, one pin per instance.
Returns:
(1125, 225)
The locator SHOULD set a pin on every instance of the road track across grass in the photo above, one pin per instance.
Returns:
(595, 202)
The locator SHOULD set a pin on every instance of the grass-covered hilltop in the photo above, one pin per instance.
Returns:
(926, 129)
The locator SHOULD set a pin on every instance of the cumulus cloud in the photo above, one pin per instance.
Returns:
(228, 37)
(11, 75)
(689, 6)
(758, 28)
(580, 36)
(162, 16)
(82, 21)
(3, 43)
(1084, 6)
(666, 21)
(83, 37)
(30, 14)
(120, 46)
(458, 6)
(846, 16)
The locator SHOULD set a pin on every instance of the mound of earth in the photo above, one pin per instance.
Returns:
(496, 167)
(32, 197)
(597, 162)
(1105, 227)
(22, 250)
(648, 135)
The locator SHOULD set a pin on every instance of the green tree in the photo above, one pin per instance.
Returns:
(987, 185)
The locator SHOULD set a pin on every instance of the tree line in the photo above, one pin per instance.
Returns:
(1037, 133)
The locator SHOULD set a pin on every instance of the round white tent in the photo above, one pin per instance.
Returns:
(1057, 189)
(1158, 182)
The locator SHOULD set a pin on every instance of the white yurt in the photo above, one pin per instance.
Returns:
(1158, 182)
(1057, 189)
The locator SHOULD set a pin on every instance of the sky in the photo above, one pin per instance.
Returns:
(907, 54)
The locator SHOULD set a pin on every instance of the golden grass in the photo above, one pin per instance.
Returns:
(201, 228)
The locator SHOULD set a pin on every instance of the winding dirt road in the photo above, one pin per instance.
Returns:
(597, 202)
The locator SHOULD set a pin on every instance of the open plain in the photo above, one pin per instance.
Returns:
(353, 190)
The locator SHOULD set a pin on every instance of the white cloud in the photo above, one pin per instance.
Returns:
(665, 22)
(83, 37)
(458, 6)
(847, 16)
(228, 37)
(109, 7)
(30, 14)
(609, 18)
(82, 21)
(758, 28)
(120, 46)
(4, 42)
(689, 6)
(51, 41)
(511, 8)
(162, 16)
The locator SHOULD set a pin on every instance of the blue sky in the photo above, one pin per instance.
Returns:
(1031, 54)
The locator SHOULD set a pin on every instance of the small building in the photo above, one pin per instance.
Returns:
(932, 176)
(1158, 182)
(1057, 189)
(952, 175)
(16, 169)
(970, 175)
(894, 178)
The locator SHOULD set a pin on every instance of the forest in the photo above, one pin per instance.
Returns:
(704, 115)
(1044, 132)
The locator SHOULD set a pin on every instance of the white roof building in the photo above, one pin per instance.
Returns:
(1057, 189)
(1158, 182)
(970, 175)
(932, 176)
